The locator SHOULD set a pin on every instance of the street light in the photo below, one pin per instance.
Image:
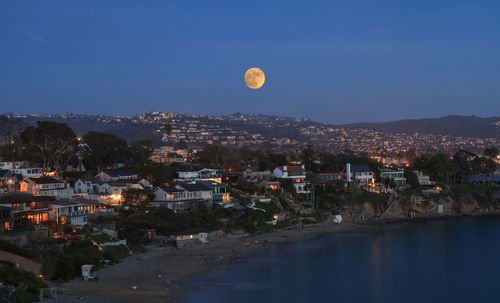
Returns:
(10, 182)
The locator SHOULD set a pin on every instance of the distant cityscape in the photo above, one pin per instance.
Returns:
(270, 132)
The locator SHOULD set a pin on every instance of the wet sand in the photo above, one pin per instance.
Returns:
(157, 272)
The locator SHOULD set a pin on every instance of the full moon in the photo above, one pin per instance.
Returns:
(255, 78)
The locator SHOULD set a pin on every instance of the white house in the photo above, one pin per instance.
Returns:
(95, 186)
(88, 186)
(115, 175)
(398, 175)
(422, 179)
(219, 191)
(360, 174)
(13, 164)
(67, 211)
(253, 174)
(297, 174)
(205, 174)
(46, 186)
(182, 197)
(75, 164)
(28, 172)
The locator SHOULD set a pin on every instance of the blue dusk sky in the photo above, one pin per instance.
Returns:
(331, 61)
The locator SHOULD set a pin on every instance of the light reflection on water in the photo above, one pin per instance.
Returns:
(441, 261)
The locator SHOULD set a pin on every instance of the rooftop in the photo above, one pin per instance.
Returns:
(45, 180)
(291, 168)
(119, 173)
(17, 197)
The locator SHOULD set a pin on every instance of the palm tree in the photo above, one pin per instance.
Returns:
(491, 152)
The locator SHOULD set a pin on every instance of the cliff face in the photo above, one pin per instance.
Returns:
(455, 203)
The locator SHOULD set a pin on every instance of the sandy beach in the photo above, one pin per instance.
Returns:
(153, 276)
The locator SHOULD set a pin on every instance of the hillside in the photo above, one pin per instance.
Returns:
(460, 126)
(201, 128)
(9, 128)
(83, 124)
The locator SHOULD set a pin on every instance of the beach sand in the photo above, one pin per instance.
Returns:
(156, 273)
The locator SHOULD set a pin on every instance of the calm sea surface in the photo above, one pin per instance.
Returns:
(456, 260)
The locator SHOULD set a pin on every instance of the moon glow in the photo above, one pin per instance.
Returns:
(255, 78)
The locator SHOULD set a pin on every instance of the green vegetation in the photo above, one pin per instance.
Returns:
(50, 143)
(6, 246)
(27, 285)
(459, 168)
(156, 173)
(103, 150)
(64, 263)
(482, 193)
(136, 196)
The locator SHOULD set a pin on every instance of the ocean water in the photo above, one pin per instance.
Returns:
(455, 260)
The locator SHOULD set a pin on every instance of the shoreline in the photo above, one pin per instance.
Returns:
(178, 267)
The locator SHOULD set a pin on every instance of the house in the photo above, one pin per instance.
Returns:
(6, 219)
(21, 168)
(46, 186)
(182, 197)
(422, 179)
(232, 178)
(189, 236)
(205, 174)
(253, 174)
(7, 179)
(115, 175)
(397, 175)
(167, 158)
(13, 164)
(67, 211)
(327, 178)
(28, 172)
(95, 186)
(75, 164)
(117, 187)
(219, 191)
(269, 185)
(295, 173)
(25, 205)
(89, 206)
(88, 186)
(360, 174)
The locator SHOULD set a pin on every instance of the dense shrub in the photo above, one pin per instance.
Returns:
(18, 277)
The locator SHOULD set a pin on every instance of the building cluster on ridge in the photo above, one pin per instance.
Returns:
(286, 134)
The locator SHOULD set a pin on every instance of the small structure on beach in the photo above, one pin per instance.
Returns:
(189, 237)
(87, 272)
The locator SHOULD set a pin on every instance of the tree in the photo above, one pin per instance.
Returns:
(51, 143)
(268, 160)
(103, 149)
(483, 167)
(138, 152)
(9, 151)
(463, 165)
(491, 152)
(167, 129)
(137, 196)
(411, 178)
(156, 173)
(389, 183)
(308, 155)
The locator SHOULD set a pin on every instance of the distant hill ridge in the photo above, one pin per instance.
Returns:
(130, 129)
(459, 126)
